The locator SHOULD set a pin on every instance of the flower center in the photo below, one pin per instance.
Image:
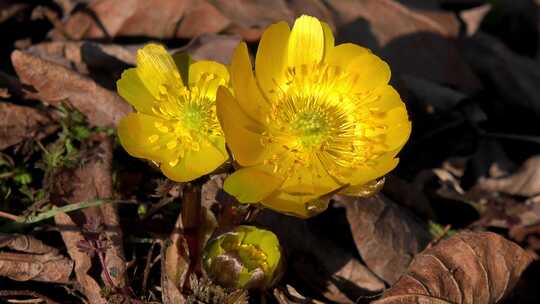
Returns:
(311, 128)
(191, 113)
(314, 116)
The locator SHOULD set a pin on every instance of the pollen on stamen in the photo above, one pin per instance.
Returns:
(153, 138)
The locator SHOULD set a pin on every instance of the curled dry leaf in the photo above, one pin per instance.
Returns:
(33, 260)
(56, 84)
(324, 266)
(470, 267)
(91, 180)
(161, 19)
(386, 236)
(18, 123)
(525, 182)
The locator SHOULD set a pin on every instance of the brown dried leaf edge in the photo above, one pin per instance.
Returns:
(470, 267)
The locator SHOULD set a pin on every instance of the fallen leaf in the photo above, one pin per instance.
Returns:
(327, 268)
(525, 181)
(201, 18)
(90, 181)
(470, 267)
(33, 260)
(160, 19)
(19, 123)
(412, 43)
(104, 63)
(56, 84)
(386, 236)
(175, 261)
(252, 17)
(212, 47)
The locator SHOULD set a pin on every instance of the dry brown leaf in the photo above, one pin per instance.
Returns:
(386, 236)
(90, 181)
(175, 261)
(470, 267)
(161, 19)
(525, 182)
(201, 18)
(36, 267)
(19, 123)
(252, 17)
(104, 63)
(324, 266)
(411, 42)
(33, 260)
(212, 47)
(56, 84)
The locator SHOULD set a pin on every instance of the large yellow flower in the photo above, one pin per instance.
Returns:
(176, 123)
(315, 119)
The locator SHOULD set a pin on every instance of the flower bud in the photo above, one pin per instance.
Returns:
(246, 257)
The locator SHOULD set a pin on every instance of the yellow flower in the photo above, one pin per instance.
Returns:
(176, 124)
(314, 120)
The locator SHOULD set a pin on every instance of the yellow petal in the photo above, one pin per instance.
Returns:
(302, 206)
(200, 68)
(252, 184)
(387, 98)
(364, 190)
(369, 71)
(309, 180)
(285, 203)
(399, 128)
(243, 135)
(367, 173)
(132, 89)
(271, 57)
(197, 163)
(140, 137)
(342, 55)
(157, 70)
(328, 38)
(306, 42)
(247, 92)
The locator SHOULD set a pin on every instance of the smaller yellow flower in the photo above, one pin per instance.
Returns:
(176, 124)
(315, 119)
